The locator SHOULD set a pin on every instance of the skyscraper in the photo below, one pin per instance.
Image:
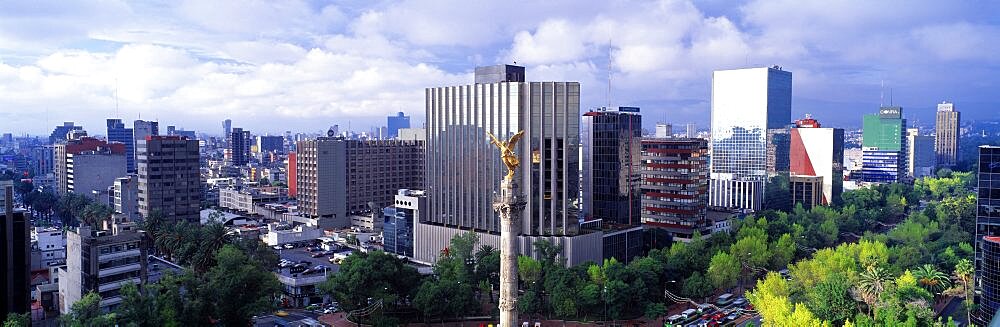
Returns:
(464, 170)
(883, 158)
(227, 127)
(15, 260)
(748, 107)
(946, 134)
(117, 132)
(675, 186)
(987, 240)
(691, 130)
(140, 130)
(395, 123)
(611, 143)
(818, 151)
(59, 133)
(269, 144)
(239, 147)
(920, 154)
(169, 178)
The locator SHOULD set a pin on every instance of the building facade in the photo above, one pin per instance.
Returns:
(987, 230)
(117, 132)
(611, 141)
(126, 197)
(748, 106)
(884, 146)
(395, 123)
(94, 171)
(818, 151)
(239, 147)
(270, 144)
(43, 160)
(920, 155)
(397, 228)
(169, 178)
(337, 178)
(15, 255)
(291, 174)
(246, 199)
(947, 132)
(59, 133)
(807, 190)
(675, 186)
(101, 261)
(464, 170)
(63, 151)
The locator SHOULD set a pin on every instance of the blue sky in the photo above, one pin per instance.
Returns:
(273, 66)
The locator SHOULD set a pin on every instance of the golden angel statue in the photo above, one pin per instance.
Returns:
(507, 152)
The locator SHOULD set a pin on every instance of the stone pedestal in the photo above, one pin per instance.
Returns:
(509, 205)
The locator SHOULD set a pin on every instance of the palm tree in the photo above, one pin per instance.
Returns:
(871, 284)
(963, 274)
(213, 237)
(932, 279)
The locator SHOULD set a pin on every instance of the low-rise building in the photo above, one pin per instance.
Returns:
(50, 243)
(246, 199)
(101, 261)
(397, 227)
(285, 233)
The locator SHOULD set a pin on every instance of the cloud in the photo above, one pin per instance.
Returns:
(297, 65)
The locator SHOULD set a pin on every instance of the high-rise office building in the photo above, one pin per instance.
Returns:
(883, 146)
(169, 178)
(101, 261)
(987, 275)
(920, 155)
(337, 177)
(947, 131)
(15, 258)
(691, 130)
(396, 122)
(117, 132)
(227, 127)
(42, 160)
(141, 129)
(270, 144)
(749, 107)
(818, 151)
(611, 143)
(464, 170)
(126, 197)
(87, 164)
(675, 186)
(59, 133)
(664, 130)
(239, 147)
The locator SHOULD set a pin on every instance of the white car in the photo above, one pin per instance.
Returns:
(289, 246)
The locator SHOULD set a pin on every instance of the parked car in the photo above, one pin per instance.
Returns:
(276, 247)
(732, 316)
(689, 314)
(675, 319)
(317, 254)
(724, 299)
(739, 302)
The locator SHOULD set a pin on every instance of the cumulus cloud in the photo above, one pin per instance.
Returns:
(296, 65)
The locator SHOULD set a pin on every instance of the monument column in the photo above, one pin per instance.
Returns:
(509, 205)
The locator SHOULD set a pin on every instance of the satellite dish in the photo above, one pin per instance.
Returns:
(331, 133)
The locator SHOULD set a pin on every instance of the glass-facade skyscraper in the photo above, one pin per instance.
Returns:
(987, 232)
(394, 123)
(117, 132)
(946, 134)
(749, 107)
(612, 147)
(884, 152)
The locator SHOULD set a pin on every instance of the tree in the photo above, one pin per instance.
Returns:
(138, 309)
(724, 270)
(932, 279)
(782, 251)
(871, 283)
(831, 300)
(17, 320)
(375, 275)
(655, 310)
(87, 313)
(963, 274)
(696, 286)
(249, 289)
(212, 238)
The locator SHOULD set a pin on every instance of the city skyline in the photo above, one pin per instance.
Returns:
(301, 66)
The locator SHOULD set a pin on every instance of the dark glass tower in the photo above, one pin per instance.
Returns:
(987, 240)
(612, 146)
(394, 123)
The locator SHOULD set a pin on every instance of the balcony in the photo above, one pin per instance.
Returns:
(117, 284)
(116, 255)
(119, 269)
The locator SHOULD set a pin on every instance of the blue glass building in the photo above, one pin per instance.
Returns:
(117, 132)
(396, 122)
(987, 241)
(397, 227)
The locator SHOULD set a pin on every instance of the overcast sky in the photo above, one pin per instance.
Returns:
(273, 66)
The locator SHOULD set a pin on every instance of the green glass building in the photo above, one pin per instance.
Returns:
(884, 146)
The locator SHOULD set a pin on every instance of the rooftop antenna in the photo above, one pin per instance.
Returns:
(890, 96)
(116, 97)
(609, 69)
(881, 95)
